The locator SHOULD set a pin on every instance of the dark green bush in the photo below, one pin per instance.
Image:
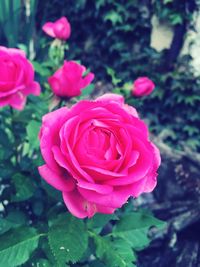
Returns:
(114, 36)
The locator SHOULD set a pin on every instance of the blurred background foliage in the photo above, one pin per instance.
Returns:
(113, 39)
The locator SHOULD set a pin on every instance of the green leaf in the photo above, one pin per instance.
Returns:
(40, 263)
(5, 225)
(23, 47)
(23, 186)
(12, 220)
(134, 228)
(111, 253)
(191, 130)
(114, 17)
(68, 239)
(42, 68)
(4, 139)
(124, 249)
(52, 193)
(96, 263)
(100, 3)
(17, 217)
(17, 245)
(87, 90)
(38, 208)
(32, 130)
(165, 2)
(193, 143)
(48, 253)
(112, 73)
(176, 19)
(99, 221)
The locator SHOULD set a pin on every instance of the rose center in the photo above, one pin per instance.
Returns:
(101, 144)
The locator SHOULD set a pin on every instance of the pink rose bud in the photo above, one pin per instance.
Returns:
(98, 154)
(142, 86)
(59, 29)
(68, 81)
(16, 78)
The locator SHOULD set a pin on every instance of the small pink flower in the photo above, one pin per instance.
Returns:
(16, 78)
(68, 81)
(98, 153)
(142, 86)
(59, 29)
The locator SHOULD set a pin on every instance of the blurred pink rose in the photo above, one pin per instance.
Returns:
(59, 29)
(16, 78)
(142, 86)
(68, 81)
(98, 154)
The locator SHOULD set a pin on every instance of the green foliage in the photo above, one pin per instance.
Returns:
(32, 130)
(6, 225)
(134, 229)
(112, 239)
(17, 245)
(98, 221)
(171, 11)
(129, 234)
(11, 13)
(113, 39)
(68, 239)
(112, 73)
(180, 92)
(10, 17)
(87, 91)
(23, 186)
(112, 256)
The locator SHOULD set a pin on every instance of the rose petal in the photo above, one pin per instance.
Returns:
(107, 98)
(33, 88)
(48, 29)
(62, 28)
(49, 135)
(76, 204)
(59, 181)
(114, 199)
(87, 80)
(17, 101)
(82, 208)
(102, 189)
(65, 163)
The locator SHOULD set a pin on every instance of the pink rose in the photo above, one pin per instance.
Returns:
(59, 29)
(142, 86)
(16, 78)
(98, 154)
(68, 81)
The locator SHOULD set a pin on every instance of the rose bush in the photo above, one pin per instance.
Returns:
(142, 86)
(68, 81)
(16, 78)
(59, 29)
(98, 154)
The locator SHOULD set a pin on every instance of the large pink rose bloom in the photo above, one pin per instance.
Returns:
(68, 81)
(16, 78)
(59, 29)
(98, 154)
(142, 86)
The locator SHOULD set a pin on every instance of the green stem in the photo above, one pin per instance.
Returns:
(15, 138)
(60, 103)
